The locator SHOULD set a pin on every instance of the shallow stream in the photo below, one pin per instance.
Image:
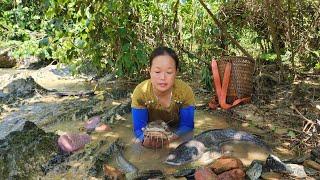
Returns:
(152, 159)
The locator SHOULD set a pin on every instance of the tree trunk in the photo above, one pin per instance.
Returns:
(274, 33)
(290, 35)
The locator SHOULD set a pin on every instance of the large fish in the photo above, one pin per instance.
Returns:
(122, 162)
(210, 140)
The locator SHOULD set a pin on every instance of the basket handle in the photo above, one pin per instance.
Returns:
(221, 89)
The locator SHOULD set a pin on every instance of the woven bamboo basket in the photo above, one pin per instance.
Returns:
(242, 69)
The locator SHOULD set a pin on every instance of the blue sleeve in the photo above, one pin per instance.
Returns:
(140, 119)
(186, 120)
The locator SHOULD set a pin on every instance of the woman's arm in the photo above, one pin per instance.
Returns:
(186, 120)
(140, 119)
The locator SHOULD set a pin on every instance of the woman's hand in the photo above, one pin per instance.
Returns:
(173, 137)
(155, 142)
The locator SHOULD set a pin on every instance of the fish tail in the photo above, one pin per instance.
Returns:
(246, 137)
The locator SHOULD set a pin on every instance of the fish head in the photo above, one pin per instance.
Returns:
(186, 152)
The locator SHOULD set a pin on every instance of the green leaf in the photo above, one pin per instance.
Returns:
(44, 42)
(268, 56)
(291, 134)
(126, 47)
(317, 53)
(122, 32)
(79, 43)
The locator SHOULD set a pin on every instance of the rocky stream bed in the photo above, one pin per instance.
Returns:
(38, 106)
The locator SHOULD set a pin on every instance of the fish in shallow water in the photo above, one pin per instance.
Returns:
(122, 162)
(210, 140)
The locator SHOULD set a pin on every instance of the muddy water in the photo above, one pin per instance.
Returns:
(151, 159)
(14, 71)
(51, 81)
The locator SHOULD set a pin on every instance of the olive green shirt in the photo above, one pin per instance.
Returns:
(182, 96)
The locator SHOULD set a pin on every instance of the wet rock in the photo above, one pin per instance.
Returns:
(225, 164)
(103, 128)
(55, 161)
(316, 160)
(1, 106)
(20, 88)
(297, 160)
(43, 113)
(184, 173)
(73, 142)
(32, 62)
(60, 163)
(271, 176)
(8, 126)
(234, 174)
(92, 123)
(101, 158)
(254, 170)
(113, 173)
(276, 165)
(78, 93)
(315, 152)
(205, 174)
(23, 152)
(57, 71)
(312, 164)
(105, 80)
(297, 171)
(148, 174)
(312, 172)
(116, 112)
(119, 93)
(6, 61)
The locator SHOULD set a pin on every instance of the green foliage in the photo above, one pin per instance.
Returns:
(317, 66)
(116, 36)
(268, 56)
(310, 59)
(291, 134)
(206, 78)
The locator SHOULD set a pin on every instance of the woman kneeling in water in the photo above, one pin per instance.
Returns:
(162, 97)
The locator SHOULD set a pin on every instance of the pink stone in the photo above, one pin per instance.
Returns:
(226, 163)
(234, 174)
(102, 128)
(73, 142)
(92, 123)
(204, 174)
(113, 173)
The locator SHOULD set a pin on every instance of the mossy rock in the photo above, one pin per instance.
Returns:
(23, 152)
(6, 61)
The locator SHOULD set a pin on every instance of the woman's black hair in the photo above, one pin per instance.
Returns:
(162, 50)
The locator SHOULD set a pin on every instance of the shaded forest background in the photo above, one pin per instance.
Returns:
(116, 36)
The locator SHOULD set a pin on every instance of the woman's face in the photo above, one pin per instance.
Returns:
(163, 73)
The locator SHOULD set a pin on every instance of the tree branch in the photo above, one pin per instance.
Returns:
(225, 32)
(192, 55)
